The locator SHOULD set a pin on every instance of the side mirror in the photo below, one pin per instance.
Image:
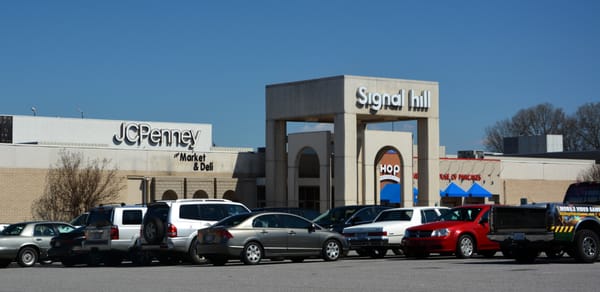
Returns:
(483, 221)
(312, 228)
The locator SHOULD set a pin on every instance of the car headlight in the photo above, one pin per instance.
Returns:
(440, 232)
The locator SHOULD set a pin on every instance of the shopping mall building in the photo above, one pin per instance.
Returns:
(350, 165)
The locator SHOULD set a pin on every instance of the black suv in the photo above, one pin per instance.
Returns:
(338, 218)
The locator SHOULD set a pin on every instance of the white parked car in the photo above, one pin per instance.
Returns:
(387, 229)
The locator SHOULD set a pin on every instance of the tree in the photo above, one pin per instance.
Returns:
(580, 131)
(73, 188)
(587, 126)
(542, 119)
(591, 174)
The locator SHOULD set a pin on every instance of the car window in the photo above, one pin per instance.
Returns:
(366, 214)
(461, 214)
(396, 215)
(267, 221)
(100, 217)
(43, 230)
(295, 222)
(132, 217)
(233, 220)
(429, 215)
(14, 229)
(63, 228)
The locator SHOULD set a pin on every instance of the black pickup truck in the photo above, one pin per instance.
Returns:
(571, 227)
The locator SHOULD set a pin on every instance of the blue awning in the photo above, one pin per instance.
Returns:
(478, 191)
(453, 190)
(392, 193)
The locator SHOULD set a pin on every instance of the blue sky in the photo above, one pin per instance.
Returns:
(209, 61)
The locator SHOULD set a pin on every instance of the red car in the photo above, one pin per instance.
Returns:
(461, 231)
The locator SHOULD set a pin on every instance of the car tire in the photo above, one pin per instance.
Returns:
(332, 250)
(154, 230)
(252, 253)
(193, 253)
(586, 246)
(465, 247)
(27, 257)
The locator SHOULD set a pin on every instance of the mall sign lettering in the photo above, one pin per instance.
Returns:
(395, 101)
(199, 161)
(138, 133)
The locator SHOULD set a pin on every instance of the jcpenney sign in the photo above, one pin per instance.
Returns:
(376, 101)
(141, 133)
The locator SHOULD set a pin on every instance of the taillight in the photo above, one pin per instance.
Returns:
(171, 230)
(114, 232)
(225, 234)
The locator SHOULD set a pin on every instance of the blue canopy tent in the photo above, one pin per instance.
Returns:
(478, 191)
(392, 193)
(453, 190)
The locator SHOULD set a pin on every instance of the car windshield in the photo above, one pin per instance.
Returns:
(14, 229)
(336, 215)
(396, 215)
(233, 220)
(461, 214)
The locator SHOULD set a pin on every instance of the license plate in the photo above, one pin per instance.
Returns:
(518, 236)
(209, 237)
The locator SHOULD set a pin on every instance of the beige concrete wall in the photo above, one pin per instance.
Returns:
(534, 191)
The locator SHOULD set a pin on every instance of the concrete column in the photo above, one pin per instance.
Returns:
(292, 186)
(275, 163)
(324, 184)
(345, 157)
(429, 161)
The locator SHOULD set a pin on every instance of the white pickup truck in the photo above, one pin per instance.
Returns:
(387, 230)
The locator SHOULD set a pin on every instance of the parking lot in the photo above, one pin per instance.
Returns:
(393, 273)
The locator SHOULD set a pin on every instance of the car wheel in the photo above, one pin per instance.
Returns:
(193, 253)
(27, 257)
(4, 263)
(154, 230)
(217, 260)
(586, 246)
(465, 247)
(331, 250)
(252, 253)
(378, 253)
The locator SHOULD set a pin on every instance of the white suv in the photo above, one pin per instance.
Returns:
(169, 228)
(112, 232)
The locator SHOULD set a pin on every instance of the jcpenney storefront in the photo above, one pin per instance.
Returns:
(156, 160)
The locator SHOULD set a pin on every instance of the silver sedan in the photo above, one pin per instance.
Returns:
(28, 242)
(274, 235)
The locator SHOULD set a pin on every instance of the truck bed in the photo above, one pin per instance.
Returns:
(510, 219)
